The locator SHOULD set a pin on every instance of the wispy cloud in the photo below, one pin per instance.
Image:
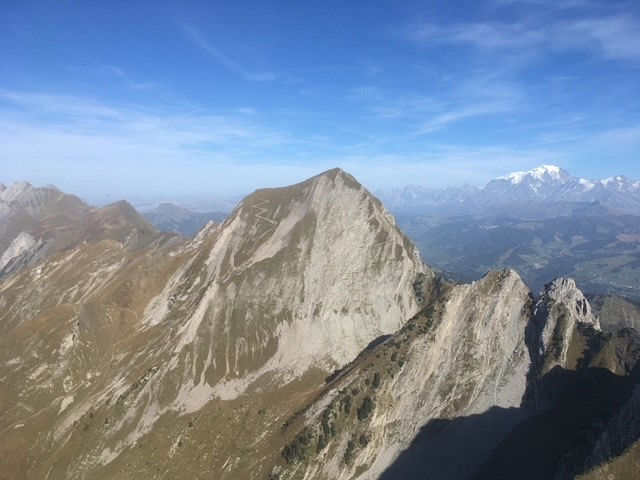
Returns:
(136, 149)
(223, 59)
(63, 136)
(479, 35)
(614, 37)
(628, 136)
(384, 105)
(115, 70)
(617, 37)
(462, 113)
(553, 4)
(371, 69)
(164, 126)
(477, 96)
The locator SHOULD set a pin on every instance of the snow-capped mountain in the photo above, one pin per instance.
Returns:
(538, 175)
(544, 191)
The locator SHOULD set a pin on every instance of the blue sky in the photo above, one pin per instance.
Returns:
(224, 97)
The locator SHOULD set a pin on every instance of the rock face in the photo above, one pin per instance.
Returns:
(296, 277)
(483, 370)
(295, 283)
(301, 338)
(561, 307)
(473, 360)
(462, 357)
(19, 252)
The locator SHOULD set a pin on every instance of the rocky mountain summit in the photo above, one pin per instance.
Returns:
(302, 337)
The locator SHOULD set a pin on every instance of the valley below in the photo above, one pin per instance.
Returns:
(602, 253)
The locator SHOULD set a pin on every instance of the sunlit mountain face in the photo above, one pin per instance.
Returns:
(306, 325)
(320, 241)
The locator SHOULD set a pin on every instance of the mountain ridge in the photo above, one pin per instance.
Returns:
(296, 282)
(302, 337)
(36, 222)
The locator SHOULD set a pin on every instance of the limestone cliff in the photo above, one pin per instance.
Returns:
(295, 283)
(462, 356)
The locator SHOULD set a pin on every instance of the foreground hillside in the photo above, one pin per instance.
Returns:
(303, 337)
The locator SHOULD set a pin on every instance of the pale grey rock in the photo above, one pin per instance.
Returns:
(475, 359)
(21, 251)
(21, 244)
(12, 192)
(332, 271)
(562, 306)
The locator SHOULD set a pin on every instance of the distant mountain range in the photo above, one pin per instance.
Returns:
(543, 192)
(543, 223)
(193, 202)
(169, 217)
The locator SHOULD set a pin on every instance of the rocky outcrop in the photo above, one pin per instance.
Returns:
(21, 251)
(461, 377)
(559, 310)
(463, 356)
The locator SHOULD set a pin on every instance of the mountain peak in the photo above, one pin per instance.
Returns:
(618, 182)
(541, 173)
(324, 187)
(11, 192)
(330, 265)
(334, 174)
(120, 213)
(561, 307)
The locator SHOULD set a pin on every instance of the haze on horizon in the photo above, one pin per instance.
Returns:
(220, 99)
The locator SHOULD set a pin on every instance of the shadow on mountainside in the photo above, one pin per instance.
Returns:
(557, 442)
(453, 448)
(515, 442)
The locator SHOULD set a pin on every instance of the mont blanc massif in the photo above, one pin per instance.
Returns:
(303, 337)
